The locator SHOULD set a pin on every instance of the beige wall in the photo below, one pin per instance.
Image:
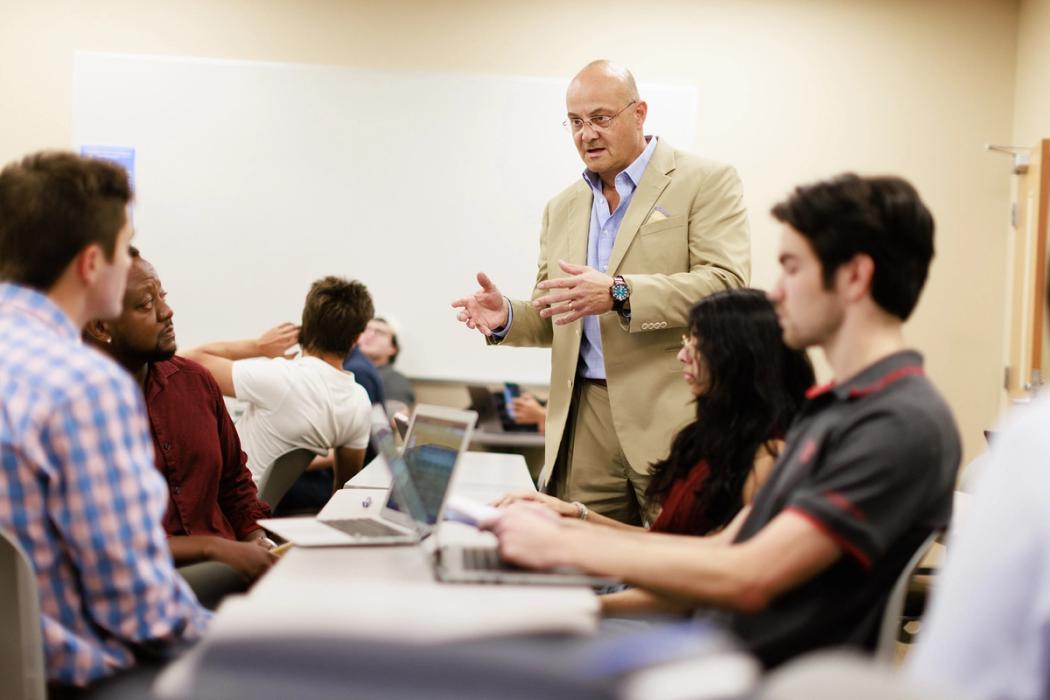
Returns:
(789, 91)
(1032, 99)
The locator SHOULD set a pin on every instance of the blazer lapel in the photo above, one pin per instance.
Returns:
(654, 182)
(579, 227)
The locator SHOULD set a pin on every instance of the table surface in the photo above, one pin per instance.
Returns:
(490, 438)
(391, 590)
(390, 593)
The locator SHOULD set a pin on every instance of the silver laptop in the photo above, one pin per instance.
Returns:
(457, 564)
(434, 441)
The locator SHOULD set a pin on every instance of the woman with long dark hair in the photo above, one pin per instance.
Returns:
(748, 387)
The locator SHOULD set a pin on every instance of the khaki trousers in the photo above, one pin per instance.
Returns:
(591, 467)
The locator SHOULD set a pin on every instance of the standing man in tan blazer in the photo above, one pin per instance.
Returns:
(624, 253)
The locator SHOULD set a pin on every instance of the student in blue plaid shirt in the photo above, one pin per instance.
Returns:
(78, 488)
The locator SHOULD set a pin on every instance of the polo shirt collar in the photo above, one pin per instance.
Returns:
(874, 377)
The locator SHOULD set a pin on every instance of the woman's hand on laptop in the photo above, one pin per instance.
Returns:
(556, 505)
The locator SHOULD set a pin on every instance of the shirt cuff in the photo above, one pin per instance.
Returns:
(502, 332)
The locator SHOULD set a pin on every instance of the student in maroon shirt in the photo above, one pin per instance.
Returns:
(213, 503)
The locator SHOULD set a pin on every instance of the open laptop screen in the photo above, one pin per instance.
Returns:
(431, 450)
(401, 480)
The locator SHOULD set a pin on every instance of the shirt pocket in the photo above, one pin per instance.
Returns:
(661, 247)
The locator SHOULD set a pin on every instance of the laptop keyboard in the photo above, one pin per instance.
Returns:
(485, 559)
(363, 527)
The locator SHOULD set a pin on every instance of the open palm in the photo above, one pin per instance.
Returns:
(485, 310)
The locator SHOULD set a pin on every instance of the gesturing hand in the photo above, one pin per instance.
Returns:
(485, 310)
(585, 292)
(278, 341)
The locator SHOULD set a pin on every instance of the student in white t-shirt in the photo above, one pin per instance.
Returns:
(308, 401)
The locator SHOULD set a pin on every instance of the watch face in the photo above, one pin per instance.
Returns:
(620, 292)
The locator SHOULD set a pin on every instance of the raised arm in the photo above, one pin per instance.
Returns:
(218, 357)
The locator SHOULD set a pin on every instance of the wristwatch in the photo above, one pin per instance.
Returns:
(620, 293)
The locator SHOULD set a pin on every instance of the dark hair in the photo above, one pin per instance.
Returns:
(336, 312)
(756, 385)
(52, 206)
(882, 217)
(393, 339)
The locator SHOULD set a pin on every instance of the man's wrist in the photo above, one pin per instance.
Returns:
(620, 294)
(571, 546)
(507, 321)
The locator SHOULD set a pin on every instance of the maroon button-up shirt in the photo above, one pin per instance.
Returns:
(211, 491)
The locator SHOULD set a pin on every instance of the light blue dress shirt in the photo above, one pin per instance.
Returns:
(603, 229)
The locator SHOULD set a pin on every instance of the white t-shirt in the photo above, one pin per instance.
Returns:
(303, 402)
(988, 627)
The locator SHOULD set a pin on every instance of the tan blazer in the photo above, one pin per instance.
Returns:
(684, 235)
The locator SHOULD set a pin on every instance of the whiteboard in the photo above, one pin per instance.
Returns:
(253, 179)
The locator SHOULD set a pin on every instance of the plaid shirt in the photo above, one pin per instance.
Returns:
(79, 491)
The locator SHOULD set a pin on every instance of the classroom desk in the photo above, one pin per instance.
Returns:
(390, 591)
(378, 595)
(530, 445)
(516, 440)
(481, 475)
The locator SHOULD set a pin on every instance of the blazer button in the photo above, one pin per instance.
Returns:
(569, 383)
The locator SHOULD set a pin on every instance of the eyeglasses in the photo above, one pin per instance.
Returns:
(599, 122)
(689, 346)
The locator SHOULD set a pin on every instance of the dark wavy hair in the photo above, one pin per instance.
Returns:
(756, 385)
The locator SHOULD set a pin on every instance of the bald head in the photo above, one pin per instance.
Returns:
(608, 118)
(613, 75)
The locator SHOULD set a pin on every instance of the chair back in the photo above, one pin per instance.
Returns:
(889, 630)
(21, 643)
(280, 475)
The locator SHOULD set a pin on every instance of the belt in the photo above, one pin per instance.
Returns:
(599, 382)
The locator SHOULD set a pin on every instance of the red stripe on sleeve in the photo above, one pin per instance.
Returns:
(844, 544)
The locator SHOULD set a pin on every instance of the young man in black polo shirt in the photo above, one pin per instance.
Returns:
(868, 469)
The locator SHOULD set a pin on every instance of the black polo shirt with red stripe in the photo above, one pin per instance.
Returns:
(872, 463)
